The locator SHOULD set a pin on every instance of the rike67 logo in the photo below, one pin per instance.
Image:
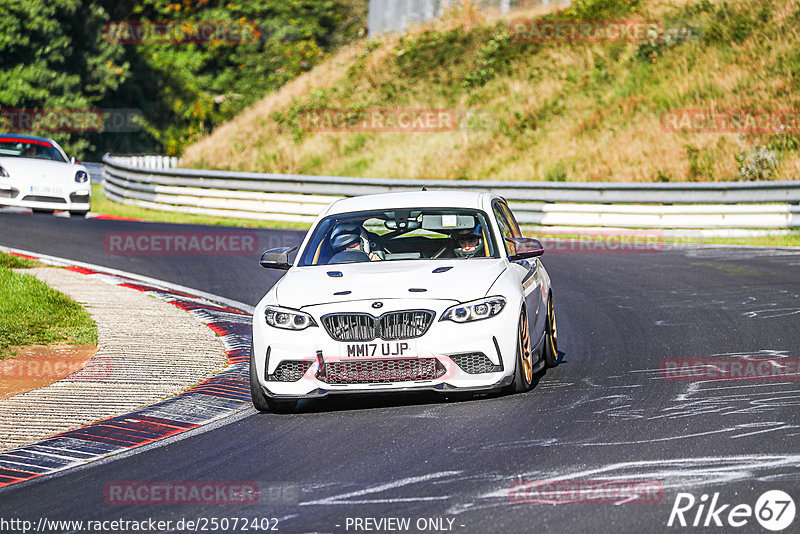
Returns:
(774, 510)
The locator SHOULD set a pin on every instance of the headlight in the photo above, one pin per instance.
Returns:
(4, 173)
(288, 319)
(475, 310)
(81, 177)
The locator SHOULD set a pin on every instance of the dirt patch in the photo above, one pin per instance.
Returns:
(37, 366)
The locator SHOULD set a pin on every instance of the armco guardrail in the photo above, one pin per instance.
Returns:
(153, 184)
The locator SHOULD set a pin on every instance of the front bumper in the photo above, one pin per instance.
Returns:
(78, 198)
(386, 389)
(445, 342)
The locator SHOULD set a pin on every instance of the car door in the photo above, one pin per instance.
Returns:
(528, 269)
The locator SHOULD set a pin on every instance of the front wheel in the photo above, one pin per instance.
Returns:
(78, 213)
(42, 211)
(523, 374)
(261, 402)
(551, 336)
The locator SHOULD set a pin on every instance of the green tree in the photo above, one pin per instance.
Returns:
(53, 56)
(185, 89)
(63, 55)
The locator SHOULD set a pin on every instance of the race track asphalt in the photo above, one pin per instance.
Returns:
(605, 413)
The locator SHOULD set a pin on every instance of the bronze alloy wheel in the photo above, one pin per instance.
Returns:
(523, 376)
(551, 341)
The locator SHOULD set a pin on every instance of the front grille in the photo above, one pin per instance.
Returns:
(381, 371)
(475, 363)
(41, 198)
(289, 371)
(9, 193)
(405, 324)
(350, 327)
(391, 326)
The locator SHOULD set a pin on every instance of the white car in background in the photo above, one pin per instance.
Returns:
(410, 291)
(35, 173)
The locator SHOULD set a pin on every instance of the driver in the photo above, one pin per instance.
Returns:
(351, 236)
(468, 243)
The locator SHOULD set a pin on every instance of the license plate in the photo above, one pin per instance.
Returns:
(383, 349)
(46, 190)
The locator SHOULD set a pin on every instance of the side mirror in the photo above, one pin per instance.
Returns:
(525, 247)
(277, 258)
(72, 160)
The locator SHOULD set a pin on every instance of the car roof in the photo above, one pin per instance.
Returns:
(413, 199)
(27, 137)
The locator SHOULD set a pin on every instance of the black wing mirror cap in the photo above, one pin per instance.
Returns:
(277, 258)
(525, 247)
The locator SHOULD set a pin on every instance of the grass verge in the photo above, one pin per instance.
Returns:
(789, 240)
(32, 313)
(8, 261)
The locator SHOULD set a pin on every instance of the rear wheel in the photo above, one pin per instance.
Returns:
(551, 336)
(523, 374)
(261, 402)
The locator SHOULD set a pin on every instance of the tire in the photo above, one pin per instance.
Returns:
(261, 402)
(551, 336)
(523, 370)
(78, 213)
(41, 211)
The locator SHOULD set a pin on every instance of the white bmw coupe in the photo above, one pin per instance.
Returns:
(404, 292)
(35, 173)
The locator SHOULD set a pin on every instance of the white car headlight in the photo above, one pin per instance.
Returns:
(474, 310)
(81, 177)
(288, 319)
(4, 173)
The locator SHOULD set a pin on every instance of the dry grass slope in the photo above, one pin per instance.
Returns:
(583, 111)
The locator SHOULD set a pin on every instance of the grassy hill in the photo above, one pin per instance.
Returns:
(578, 111)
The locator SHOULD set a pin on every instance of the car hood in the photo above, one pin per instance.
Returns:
(464, 280)
(39, 168)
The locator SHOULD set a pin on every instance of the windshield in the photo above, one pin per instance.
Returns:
(400, 234)
(14, 147)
